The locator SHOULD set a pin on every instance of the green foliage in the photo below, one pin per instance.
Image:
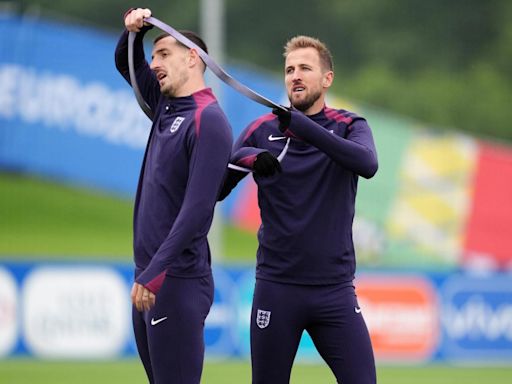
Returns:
(109, 15)
(442, 99)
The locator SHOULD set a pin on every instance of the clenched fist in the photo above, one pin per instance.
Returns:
(134, 20)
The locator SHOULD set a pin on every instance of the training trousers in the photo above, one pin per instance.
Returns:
(169, 336)
(329, 313)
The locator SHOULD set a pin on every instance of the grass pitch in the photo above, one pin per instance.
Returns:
(21, 371)
(42, 219)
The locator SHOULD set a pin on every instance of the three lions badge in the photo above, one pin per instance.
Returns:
(263, 318)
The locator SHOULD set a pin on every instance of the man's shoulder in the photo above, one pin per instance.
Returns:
(266, 120)
(262, 120)
(212, 119)
(206, 103)
(211, 110)
(342, 115)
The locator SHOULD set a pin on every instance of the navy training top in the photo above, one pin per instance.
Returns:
(307, 210)
(184, 164)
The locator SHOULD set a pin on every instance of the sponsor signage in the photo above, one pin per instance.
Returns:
(61, 119)
(401, 314)
(477, 318)
(71, 312)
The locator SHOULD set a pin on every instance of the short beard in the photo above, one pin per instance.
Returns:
(169, 92)
(173, 89)
(307, 103)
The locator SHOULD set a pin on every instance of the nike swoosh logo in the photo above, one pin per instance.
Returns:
(155, 322)
(274, 138)
(357, 310)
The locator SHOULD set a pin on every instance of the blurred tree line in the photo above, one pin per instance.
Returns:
(447, 63)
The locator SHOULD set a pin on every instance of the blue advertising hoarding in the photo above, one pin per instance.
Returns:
(477, 318)
(67, 114)
(82, 310)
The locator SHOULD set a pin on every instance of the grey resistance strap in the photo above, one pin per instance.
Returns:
(210, 63)
(133, 78)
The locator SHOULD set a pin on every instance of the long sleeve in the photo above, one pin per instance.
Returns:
(243, 155)
(146, 79)
(355, 152)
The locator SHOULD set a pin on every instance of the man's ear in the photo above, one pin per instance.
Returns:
(193, 56)
(328, 79)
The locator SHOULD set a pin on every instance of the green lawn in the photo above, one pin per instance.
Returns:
(44, 219)
(21, 371)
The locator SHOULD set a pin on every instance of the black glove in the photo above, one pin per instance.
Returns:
(266, 164)
(284, 116)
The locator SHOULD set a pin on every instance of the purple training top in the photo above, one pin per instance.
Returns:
(181, 176)
(307, 210)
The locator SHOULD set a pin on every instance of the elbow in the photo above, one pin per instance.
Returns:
(371, 168)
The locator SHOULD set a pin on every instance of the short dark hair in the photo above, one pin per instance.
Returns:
(192, 36)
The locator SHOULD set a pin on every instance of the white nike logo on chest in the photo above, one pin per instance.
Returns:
(274, 138)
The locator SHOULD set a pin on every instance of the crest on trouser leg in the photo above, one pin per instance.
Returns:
(263, 318)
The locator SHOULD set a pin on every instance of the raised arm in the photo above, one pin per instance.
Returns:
(146, 79)
(355, 152)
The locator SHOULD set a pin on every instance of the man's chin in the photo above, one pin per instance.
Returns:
(304, 103)
(166, 91)
(297, 103)
(300, 105)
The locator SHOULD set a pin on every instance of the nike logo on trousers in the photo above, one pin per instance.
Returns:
(155, 322)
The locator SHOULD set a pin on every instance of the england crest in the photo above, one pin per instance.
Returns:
(176, 123)
(263, 318)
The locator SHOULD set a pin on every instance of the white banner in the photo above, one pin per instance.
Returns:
(71, 312)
